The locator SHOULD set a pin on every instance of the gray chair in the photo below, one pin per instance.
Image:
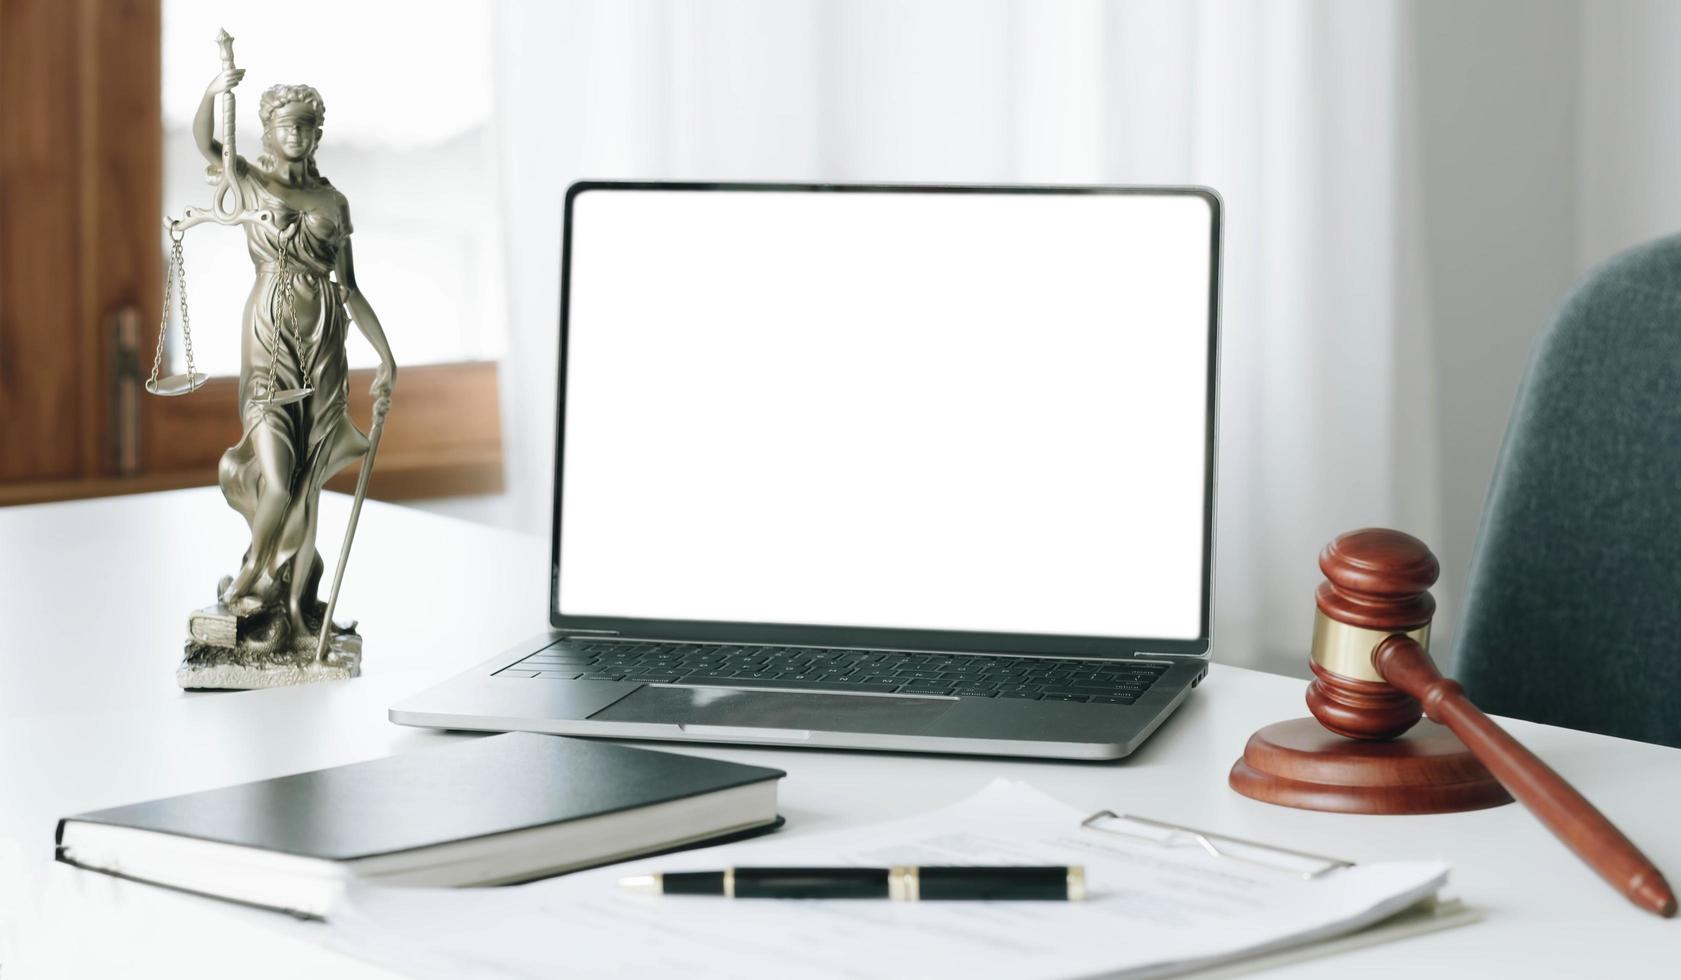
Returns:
(1573, 614)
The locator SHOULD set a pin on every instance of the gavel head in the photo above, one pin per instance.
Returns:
(1377, 584)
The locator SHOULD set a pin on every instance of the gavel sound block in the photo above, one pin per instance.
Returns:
(1373, 680)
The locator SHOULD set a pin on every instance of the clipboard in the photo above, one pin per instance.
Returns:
(1428, 915)
(1297, 864)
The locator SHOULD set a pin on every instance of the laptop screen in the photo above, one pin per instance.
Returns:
(912, 409)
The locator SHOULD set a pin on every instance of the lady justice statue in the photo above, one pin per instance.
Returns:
(268, 627)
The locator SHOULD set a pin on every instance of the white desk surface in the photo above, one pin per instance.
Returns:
(93, 603)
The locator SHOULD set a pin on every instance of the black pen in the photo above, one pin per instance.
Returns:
(901, 884)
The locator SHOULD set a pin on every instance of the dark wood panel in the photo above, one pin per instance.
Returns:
(41, 348)
(122, 201)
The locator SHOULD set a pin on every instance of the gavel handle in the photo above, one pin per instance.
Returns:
(1405, 664)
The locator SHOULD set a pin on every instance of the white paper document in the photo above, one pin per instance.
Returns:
(1152, 909)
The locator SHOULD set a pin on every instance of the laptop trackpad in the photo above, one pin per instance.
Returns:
(772, 709)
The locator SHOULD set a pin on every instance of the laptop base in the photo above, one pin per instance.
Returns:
(479, 700)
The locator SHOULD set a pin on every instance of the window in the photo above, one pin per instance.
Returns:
(91, 162)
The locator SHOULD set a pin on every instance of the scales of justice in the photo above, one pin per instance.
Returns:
(268, 628)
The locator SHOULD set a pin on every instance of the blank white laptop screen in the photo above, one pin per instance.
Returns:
(951, 411)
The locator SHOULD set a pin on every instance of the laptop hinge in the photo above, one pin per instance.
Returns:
(576, 632)
(1186, 656)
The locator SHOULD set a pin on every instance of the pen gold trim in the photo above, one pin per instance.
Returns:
(896, 884)
(1077, 883)
(904, 884)
(729, 882)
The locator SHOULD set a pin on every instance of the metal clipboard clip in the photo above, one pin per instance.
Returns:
(1297, 864)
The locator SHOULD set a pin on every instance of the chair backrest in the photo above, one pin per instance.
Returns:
(1573, 615)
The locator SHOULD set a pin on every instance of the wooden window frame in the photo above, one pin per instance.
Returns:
(81, 284)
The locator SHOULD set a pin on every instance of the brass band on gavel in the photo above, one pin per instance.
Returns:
(1347, 650)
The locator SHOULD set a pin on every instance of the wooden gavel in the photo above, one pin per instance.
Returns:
(1372, 680)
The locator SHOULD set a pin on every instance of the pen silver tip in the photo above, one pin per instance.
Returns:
(647, 884)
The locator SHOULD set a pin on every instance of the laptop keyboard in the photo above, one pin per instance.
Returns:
(859, 671)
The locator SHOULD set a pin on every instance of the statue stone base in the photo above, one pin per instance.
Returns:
(229, 650)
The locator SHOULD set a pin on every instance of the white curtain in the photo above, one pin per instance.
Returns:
(1299, 114)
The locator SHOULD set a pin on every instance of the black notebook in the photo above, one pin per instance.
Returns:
(488, 811)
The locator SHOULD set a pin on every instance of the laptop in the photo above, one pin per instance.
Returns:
(912, 468)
